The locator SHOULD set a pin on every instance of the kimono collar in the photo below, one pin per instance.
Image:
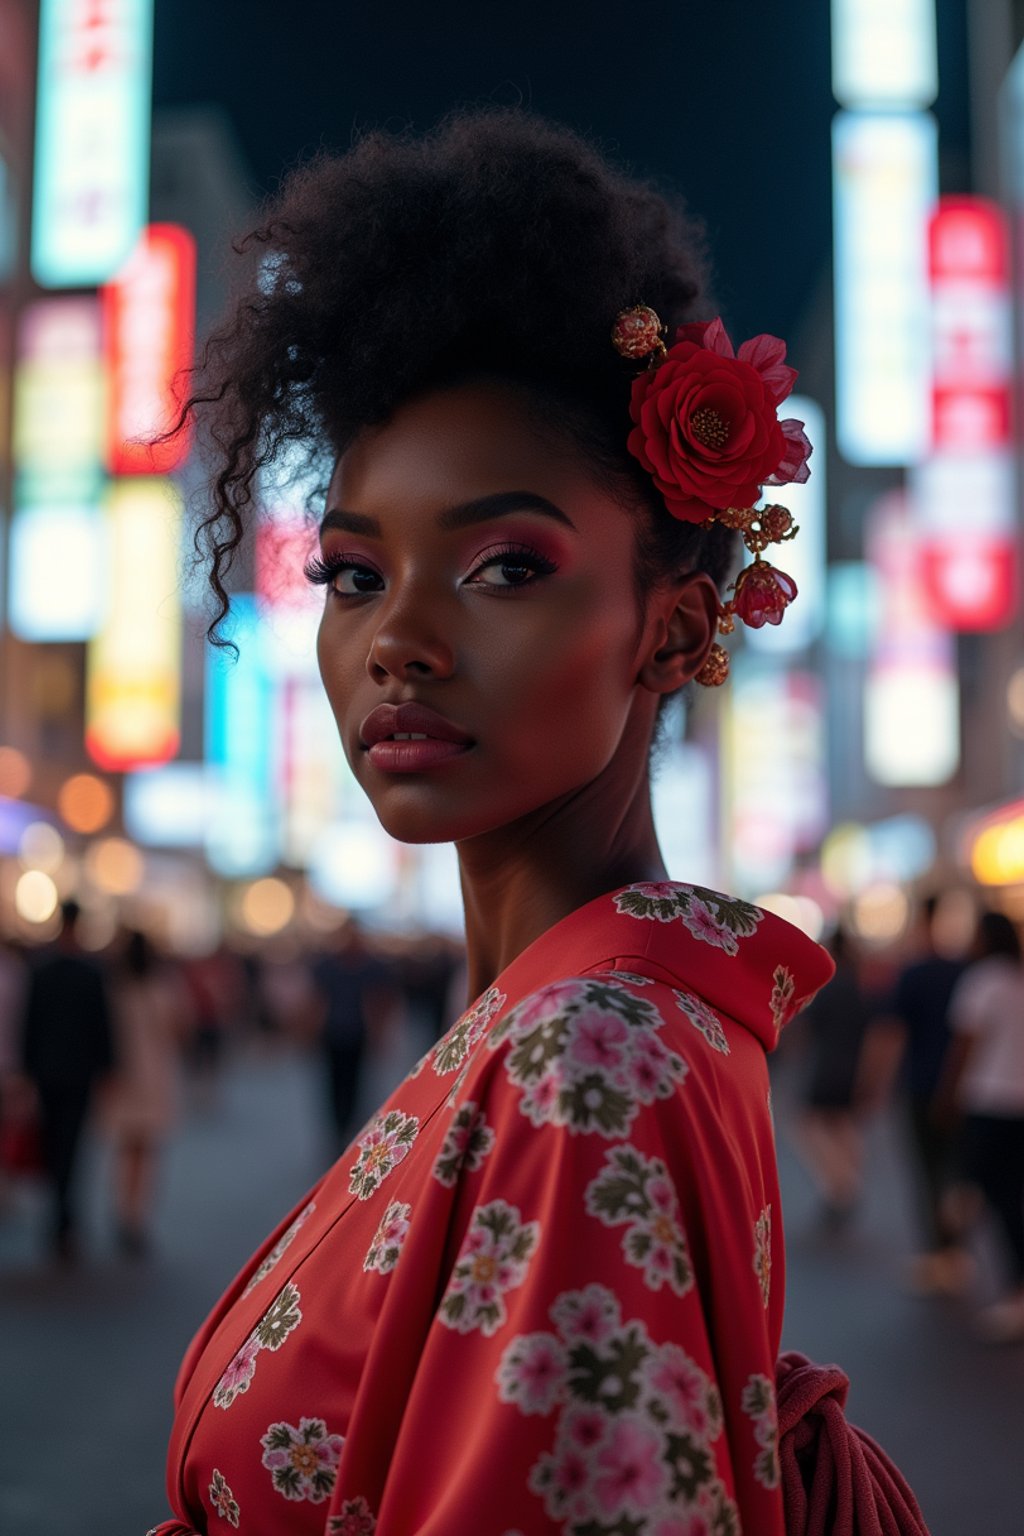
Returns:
(752, 966)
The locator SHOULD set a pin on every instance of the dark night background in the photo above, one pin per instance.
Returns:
(727, 101)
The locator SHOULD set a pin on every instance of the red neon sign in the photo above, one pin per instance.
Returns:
(149, 326)
(968, 257)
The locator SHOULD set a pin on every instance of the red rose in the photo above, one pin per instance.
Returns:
(706, 427)
(762, 594)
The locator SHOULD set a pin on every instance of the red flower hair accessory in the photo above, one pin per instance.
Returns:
(706, 429)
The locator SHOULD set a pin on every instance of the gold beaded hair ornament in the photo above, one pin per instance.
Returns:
(706, 429)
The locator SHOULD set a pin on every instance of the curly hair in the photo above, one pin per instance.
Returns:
(499, 244)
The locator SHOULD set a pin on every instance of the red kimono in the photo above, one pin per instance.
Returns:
(542, 1291)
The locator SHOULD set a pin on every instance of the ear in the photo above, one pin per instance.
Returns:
(684, 628)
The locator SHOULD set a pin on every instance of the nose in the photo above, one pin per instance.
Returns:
(409, 642)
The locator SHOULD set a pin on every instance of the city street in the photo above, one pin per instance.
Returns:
(89, 1355)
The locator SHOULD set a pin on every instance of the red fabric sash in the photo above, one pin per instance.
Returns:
(836, 1481)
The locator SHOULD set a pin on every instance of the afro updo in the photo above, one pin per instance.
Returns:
(498, 244)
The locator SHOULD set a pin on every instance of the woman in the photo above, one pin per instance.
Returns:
(542, 1290)
(829, 1133)
(141, 1104)
(984, 1083)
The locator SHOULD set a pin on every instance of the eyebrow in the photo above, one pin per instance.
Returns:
(481, 509)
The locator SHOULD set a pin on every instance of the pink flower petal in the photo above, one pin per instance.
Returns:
(794, 468)
(766, 354)
(715, 339)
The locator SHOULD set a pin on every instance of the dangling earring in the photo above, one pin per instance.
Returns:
(715, 669)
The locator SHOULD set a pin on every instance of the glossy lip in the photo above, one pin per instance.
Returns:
(386, 719)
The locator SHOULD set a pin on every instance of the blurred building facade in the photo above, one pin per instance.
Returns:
(870, 747)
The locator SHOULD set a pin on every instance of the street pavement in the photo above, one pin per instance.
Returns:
(88, 1355)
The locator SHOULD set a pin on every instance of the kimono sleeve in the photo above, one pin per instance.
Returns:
(572, 1377)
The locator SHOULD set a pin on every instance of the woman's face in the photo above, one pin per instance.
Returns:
(472, 567)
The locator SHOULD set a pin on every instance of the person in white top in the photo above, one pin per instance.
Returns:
(984, 1084)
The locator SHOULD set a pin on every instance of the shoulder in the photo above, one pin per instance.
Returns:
(587, 1053)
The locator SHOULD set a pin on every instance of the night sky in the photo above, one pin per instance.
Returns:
(726, 101)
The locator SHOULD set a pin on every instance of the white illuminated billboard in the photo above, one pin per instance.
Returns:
(885, 180)
(58, 572)
(912, 722)
(91, 188)
(883, 53)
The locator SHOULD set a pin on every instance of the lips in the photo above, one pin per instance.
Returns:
(389, 720)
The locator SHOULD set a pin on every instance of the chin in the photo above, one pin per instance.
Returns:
(412, 818)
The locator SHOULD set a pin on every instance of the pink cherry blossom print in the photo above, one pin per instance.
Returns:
(493, 1260)
(381, 1149)
(633, 1476)
(388, 1239)
(222, 1500)
(302, 1461)
(355, 1519)
(238, 1374)
(704, 925)
(532, 1373)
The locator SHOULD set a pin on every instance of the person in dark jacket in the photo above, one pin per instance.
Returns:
(66, 1048)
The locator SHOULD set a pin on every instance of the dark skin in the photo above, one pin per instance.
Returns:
(522, 627)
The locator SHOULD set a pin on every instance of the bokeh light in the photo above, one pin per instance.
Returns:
(35, 897)
(41, 847)
(802, 911)
(997, 856)
(115, 866)
(880, 912)
(85, 802)
(266, 906)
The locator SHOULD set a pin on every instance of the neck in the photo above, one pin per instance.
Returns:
(521, 879)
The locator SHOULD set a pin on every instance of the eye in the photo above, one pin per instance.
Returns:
(514, 565)
(345, 577)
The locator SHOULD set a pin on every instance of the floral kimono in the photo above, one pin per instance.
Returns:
(542, 1291)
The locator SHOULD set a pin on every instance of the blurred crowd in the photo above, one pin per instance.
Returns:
(126, 1041)
(130, 1040)
(935, 1031)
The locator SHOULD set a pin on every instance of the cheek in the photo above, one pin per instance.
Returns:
(573, 689)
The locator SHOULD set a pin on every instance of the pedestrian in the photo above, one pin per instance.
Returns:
(983, 1087)
(66, 1051)
(141, 1103)
(829, 1132)
(916, 1017)
(542, 1291)
(355, 998)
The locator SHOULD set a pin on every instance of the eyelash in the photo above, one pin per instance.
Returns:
(322, 570)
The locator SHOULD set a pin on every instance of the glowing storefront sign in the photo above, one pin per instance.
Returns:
(970, 562)
(682, 803)
(885, 179)
(852, 608)
(58, 572)
(993, 845)
(290, 607)
(312, 786)
(774, 770)
(92, 138)
(172, 806)
(883, 53)
(149, 324)
(242, 838)
(58, 389)
(912, 696)
(133, 674)
(804, 558)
